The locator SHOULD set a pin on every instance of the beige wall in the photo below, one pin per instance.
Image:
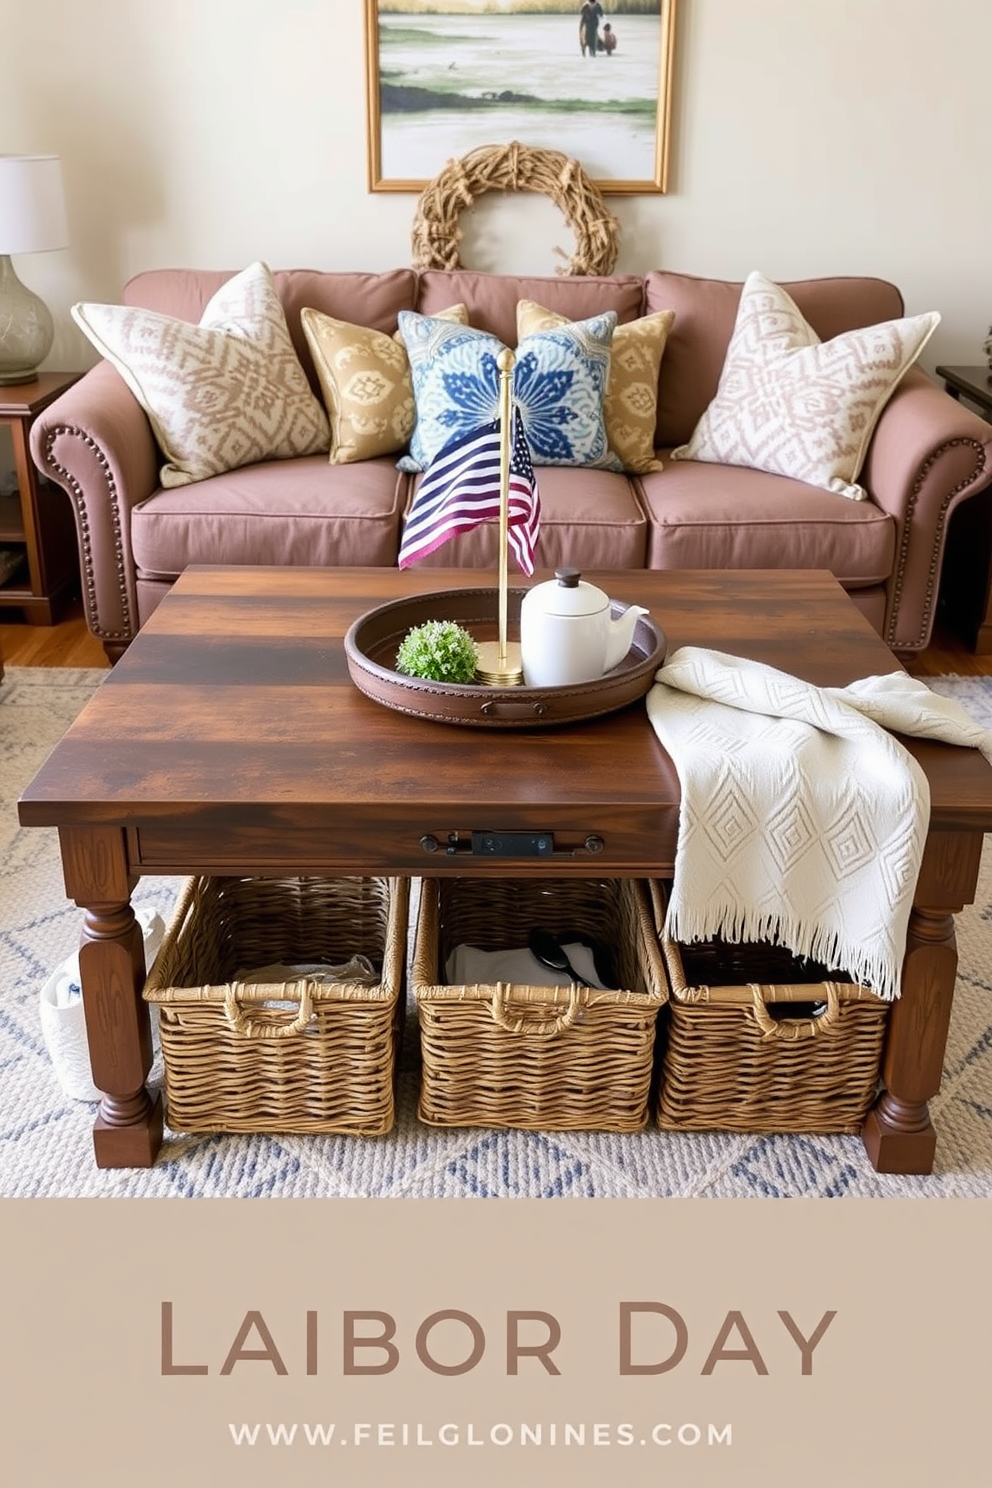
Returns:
(809, 137)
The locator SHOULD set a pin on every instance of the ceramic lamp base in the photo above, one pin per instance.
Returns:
(26, 328)
(496, 670)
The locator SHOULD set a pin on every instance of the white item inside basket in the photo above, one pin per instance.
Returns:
(468, 966)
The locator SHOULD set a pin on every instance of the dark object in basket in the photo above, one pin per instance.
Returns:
(549, 950)
(763, 962)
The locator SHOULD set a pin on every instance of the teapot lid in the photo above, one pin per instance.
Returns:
(568, 594)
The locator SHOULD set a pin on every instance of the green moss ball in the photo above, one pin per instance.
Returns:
(438, 650)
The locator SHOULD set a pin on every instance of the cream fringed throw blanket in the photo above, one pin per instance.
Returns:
(802, 819)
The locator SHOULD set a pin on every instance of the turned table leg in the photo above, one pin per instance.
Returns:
(898, 1133)
(128, 1128)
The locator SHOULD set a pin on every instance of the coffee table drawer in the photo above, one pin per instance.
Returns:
(625, 841)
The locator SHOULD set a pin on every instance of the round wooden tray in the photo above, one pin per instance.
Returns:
(372, 642)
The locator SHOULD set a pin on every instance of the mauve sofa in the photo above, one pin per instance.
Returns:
(928, 454)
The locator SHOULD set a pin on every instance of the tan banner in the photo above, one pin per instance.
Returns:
(379, 1342)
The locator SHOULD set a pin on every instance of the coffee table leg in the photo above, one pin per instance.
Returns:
(898, 1133)
(128, 1128)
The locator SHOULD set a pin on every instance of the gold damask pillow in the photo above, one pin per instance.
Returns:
(365, 380)
(224, 393)
(630, 401)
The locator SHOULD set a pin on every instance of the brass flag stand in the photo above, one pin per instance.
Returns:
(499, 661)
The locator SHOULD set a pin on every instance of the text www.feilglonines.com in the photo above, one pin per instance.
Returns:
(386, 1434)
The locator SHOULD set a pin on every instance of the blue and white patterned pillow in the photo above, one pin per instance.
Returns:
(559, 378)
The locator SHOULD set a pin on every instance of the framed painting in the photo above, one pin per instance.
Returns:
(591, 79)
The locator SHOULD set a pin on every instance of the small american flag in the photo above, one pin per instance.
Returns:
(461, 489)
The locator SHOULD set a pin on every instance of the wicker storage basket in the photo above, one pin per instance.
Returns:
(745, 1051)
(538, 1057)
(294, 1056)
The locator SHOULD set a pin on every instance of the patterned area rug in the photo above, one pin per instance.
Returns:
(45, 1146)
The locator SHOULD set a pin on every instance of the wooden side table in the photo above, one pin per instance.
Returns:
(966, 577)
(973, 384)
(36, 520)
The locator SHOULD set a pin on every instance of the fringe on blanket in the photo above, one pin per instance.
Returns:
(864, 965)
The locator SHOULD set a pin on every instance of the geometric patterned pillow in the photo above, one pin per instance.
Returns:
(227, 392)
(630, 402)
(794, 405)
(558, 382)
(365, 379)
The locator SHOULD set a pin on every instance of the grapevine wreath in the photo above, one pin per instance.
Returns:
(514, 167)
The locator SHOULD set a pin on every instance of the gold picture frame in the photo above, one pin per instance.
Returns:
(428, 103)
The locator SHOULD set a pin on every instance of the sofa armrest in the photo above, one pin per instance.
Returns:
(97, 444)
(928, 454)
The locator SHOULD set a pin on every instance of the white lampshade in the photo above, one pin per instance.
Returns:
(32, 220)
(32, 206)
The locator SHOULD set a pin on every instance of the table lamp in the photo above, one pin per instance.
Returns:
(32, 220)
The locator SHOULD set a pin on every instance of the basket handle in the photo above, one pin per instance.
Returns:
(542, 1027)
(248, 1029)
(793, 1030)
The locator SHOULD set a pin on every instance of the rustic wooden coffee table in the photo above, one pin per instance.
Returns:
(230, 739)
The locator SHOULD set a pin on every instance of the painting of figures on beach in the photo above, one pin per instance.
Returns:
(591, 78)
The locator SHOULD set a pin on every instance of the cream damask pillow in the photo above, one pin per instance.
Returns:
(631, 397)
(221, 394)
(365, 380)
(794, 405)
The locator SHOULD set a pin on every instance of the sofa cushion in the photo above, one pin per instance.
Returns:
(705, 517)
(588, 521)
(367, 299)
(559, 379)
(365, 382)
(705, 312)
(226, 392)
(303, 512)
(630, 404)
(492, 298)
(797, 406)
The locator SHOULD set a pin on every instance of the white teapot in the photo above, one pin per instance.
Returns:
(567, 633)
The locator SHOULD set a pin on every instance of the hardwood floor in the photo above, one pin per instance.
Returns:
(69, 644)
(948, 654)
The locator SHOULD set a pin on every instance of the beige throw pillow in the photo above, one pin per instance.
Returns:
(794, 405)
(365, 380)
(224, 393)
(631, 397)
